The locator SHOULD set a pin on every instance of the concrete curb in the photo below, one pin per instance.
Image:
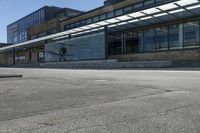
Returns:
(11, 76)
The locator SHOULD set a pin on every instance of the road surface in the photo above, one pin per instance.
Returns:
(100, 101)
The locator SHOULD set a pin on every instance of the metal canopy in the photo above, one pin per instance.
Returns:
(157, 12)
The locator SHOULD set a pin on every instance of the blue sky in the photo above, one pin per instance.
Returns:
(12, 10)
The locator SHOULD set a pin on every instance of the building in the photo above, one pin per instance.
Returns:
(67, 13)
(52, 26)
(4, 44)
(111, 2)
(17, 31)
(128, 30)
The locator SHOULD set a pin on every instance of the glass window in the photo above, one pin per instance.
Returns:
(174, 36)
(33, 37)
(115, 44)
(128, 9)
(110, 14)
(118, 12)
(89, 21)
(161, 1)
(52, 31)
(83, 22)
(149, 40)
(131, 44)
(42, 34)
(191, 33)
(162, 38)
(95, 19)
(140, 41)
(77, 24)
(67, 27)
(138, 6)
(148, 3)
(102, 17)
(72, 26)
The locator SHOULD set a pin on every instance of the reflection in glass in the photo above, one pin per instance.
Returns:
(131, 42)
(174, 36)
(149, 40)
(115, 44)
(162, 38)
(191, 34)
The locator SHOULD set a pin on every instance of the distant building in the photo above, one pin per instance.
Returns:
(17, 31)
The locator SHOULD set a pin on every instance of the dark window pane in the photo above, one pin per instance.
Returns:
(95, 19)
(52, 31)
(102, 17)
(138, 6)
(191, 33)
(148, 3)
(162, 38)
(149, 40)
(118, 12)
(128, 9)
(110, 14)
(89, 21)
(174, 36)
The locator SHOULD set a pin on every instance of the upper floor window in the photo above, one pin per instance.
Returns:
(102, 17)
(52, 31)
(149, 3)
(118, 12)
(95, 19)
(89, 21)
(33, 37)
(110, 14)
(138, 6)
(128, 9)
(83, 22)
(42, 34)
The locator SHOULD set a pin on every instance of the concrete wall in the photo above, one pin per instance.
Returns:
(175, 55)
(88, 47)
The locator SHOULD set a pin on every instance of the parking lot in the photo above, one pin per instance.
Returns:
(100, 101)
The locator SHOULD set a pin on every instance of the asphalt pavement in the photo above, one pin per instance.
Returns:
(100, 101)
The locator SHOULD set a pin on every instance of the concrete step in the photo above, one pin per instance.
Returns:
(194, 63)
(109, 64)
(100, 64)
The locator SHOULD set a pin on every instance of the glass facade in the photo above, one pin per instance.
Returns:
(17, 32)
(161, 38)
(191, 34)
(176, 36)
(149, 40)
